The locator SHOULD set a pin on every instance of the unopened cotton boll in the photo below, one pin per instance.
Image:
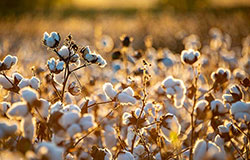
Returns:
(169, 125)
(7, 128)
(68, 118)
(109, 90)
(50, 151)
(18, 110)
(125, 155)
(28, 127)
(87, 122)
(29, 94)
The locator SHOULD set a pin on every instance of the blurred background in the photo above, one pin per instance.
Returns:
(167, 21)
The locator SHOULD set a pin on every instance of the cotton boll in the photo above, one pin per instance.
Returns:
(73, 129)
(241, 111)
(125, 98)
(200, 149)
(218, 107)
(201, 109)
(51, 40)
(50, 151)
(129, 91)
(101, 61)
(7, 128)
(34, 82)
(71, 107)
(130, 137)
(4, 106)
(68, 118)
(109, 90)
(87, 122)
(60, 66)
(9, 61)
(169, 124)
(64, 52)
(138, 112)
(17, 76)
(125, 155)
(109, 136)
(139, 150)
(125, 118)
(28, 127)
(189, 56)
(44, 108)
(29, 94)
(56, 107)
(168, 82)
(24, 83)
(5, 83)
(18, 110)
(242, 116)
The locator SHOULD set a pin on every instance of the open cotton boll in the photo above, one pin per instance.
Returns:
(126, 98)
(64, 52)
(34, 82)
(129, 91)
(7, 128)
(125, 118)
(29, 94)
(17, 76)
(69, 118)
(51, 40)
(168, 82)
(139, 150)
(239, 107)
(218, 107)
(50, 150)
(130, 137)
(28, 127)
(24, 83)
(242, 116)
(109, 136)
(108, 89)
(71, 107)
(138, 112)
(5, 83)
(87, 122)
(18, 110)
(125, 155)
(4, 106)
(56, 107)
(44, 108)
(169, 125)
(202, 148)
(73, 129)
(9, 61)
(101, 61)
(189, 56)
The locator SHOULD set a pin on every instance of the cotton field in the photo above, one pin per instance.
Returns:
(114, 93)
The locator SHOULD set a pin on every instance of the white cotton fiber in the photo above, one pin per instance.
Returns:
(109, 90)
(18, 110)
